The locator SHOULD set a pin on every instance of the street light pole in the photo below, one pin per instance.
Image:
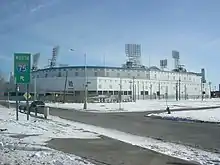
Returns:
(210, 90)
(35, 88)
(120, 94)
(179, 89)
(133, 90)
(150, 91)
(65, 84)
(85, 81)
(85, 84)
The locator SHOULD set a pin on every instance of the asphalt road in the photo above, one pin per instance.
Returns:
(200, 135)
(107, 151)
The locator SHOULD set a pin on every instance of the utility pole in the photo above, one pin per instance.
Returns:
(166, 95)
(133, 90)
(16, 91)
(202, 88)
(85, 81)
(150, 91)
(64, 91)
(138, 90)
(210, 90)
(159, 90)
(130, 88)
(86, 84)
(120, 94)
(35, 88)
(27, 102)
(179, 89)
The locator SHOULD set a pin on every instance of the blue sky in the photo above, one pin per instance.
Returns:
(102, 28)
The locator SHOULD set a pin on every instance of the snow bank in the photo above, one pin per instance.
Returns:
(40, 129)
(15, 152)
(210, 115)
(22, 142)
(140, 105)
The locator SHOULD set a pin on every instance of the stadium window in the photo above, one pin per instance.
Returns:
(148, 76)
(76, 73)
(107, 74)
(59, 74)
(46, 75)
(96, 74)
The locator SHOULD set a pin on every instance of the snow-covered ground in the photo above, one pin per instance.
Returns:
(209, 115)
(30, 148)
(140, 105)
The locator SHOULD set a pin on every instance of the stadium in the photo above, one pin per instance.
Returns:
(129, 82)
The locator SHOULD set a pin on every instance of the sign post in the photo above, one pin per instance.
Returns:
(22, 71)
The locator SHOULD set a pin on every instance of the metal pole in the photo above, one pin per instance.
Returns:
(16, 91)
(176, 91)
(202, 90)
(210, 90)
(73, 94)
(130, 89)
(179, 90)
(8, 100)
(27, 102)
(35, 88)
(86, 85)
(150, 91)
(159, 90)
(185, 92)
(64, 91)
(133, 90)
(143, 91)
(138, 90)
(120, 94)
(166, 95)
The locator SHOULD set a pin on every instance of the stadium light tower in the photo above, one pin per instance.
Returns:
(85, 80)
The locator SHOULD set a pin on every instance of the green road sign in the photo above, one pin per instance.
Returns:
(22, 68)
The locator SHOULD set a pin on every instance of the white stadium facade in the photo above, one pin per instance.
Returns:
(138, 83)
